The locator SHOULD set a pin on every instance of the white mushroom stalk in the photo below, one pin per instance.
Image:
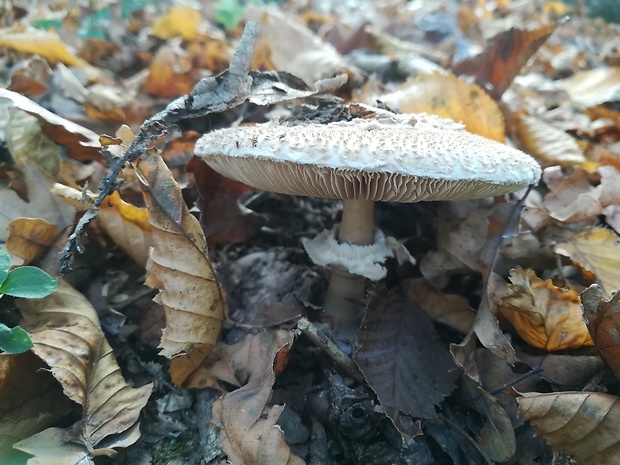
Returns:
(389, 158)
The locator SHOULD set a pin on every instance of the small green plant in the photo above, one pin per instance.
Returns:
(28, 282)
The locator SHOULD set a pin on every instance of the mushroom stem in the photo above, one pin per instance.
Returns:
(358, 222)
(347, 290)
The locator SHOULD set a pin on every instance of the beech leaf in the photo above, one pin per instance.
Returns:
(66, 334)
(248, 430)
(402, 358)
(179, 266)
(585, 425)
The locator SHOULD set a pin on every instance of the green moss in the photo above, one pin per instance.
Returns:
(172, 448)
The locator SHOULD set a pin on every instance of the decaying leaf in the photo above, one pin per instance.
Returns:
(171, 73)
(224, 219)
(30, 400)
(180, 268)
(573, 197)
(247, 426)
(447, 96)
(448, 309)
(30, 237)
(126, 224)
(42, 204)
(603, 319)
(550, 144)
(296, 49)
(597, 250)
(545, 316)
(496, 67)
(594, 86)
(402, 359)
(581, 424)
(497, 436)
(81, 143)
(180, 20)
(66, 334)
(43, 43)
(569, 372)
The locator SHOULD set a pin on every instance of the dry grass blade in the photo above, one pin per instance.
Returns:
(585, 425)
(180, 268)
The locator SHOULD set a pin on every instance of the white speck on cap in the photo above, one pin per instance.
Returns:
(403, 158)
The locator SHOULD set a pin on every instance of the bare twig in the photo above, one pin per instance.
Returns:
(319, 338)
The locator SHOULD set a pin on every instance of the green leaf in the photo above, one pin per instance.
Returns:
(14, 340)
(29, 282)
(5, 264)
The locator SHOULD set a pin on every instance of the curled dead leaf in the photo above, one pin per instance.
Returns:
(545, 316)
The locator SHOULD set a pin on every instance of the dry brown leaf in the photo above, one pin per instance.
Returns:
(30, 237)
(40, 42)
(597, 251)
(549, 144)
(497, 436)
(42, 204)
(545, 316)
(496, 67)
(594, 86)
(569, 372)
(402, 358)
(27, 143)
(179, 267)
(573, 197)
(126, 224)
(603, 319)
(65, 330)
(447, 96)
(180, 20)
(296, 49)
(581, 424)
(30, 400)
(171, 73)
(81, 143)
(248, 431)
(448, 309)
(224, 219)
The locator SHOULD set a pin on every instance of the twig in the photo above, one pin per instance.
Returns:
(319, 338)
(211, 95)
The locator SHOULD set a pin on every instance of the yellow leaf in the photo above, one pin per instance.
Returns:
(597, 250)
(181, 20)
(179, 266)
(545, 316)
(447, 96)
(46, 44)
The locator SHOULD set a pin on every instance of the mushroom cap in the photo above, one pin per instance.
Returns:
(404, 158)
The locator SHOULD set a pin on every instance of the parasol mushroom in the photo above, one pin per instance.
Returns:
(388, 158)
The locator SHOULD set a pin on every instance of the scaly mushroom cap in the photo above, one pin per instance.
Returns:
(402, 158)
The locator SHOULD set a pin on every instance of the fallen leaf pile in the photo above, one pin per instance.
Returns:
(173, 334)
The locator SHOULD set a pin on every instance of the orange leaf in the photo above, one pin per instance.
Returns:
(545, 316)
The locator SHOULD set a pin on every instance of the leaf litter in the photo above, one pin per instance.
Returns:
(259, 391)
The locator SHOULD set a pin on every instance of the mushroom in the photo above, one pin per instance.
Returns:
(388, 157)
